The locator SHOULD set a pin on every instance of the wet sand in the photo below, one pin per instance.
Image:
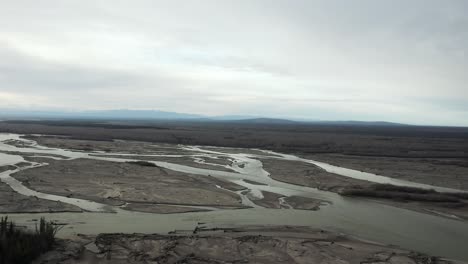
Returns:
(192, 161)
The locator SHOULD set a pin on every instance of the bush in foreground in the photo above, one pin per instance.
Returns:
(20, 246)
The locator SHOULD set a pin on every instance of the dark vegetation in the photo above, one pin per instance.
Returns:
(8, 167)
(388, 191)
(362, 140)
(142, 163)
(18, 246)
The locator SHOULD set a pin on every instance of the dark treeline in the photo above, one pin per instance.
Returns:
(388, 191)
(18, 245)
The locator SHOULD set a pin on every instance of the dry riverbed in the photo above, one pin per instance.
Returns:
(126, 184)
(267, 245)
(446, 172)
(13, 202)
(143, 186)
(301, 173)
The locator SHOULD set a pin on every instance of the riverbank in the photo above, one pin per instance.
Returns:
(446, 172)
(301, 173)
(272, 245)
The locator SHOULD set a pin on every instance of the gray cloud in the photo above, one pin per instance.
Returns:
(401, 61)
(21, 73)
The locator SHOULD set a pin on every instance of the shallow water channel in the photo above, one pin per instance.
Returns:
(359, 217)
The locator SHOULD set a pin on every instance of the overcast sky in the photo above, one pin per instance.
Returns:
(402, 61)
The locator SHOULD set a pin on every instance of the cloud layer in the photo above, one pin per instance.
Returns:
(363, 60)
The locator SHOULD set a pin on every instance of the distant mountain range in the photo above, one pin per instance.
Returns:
(124, 114)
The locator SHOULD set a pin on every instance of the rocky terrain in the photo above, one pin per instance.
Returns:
(246, 245)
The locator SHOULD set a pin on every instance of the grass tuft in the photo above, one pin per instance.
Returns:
(21, 246)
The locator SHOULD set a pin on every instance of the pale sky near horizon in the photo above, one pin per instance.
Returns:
(394, 60)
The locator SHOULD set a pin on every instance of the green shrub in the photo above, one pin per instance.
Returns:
(18, 246)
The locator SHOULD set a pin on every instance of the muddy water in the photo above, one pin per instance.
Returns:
(384, 224)
(363, 218)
